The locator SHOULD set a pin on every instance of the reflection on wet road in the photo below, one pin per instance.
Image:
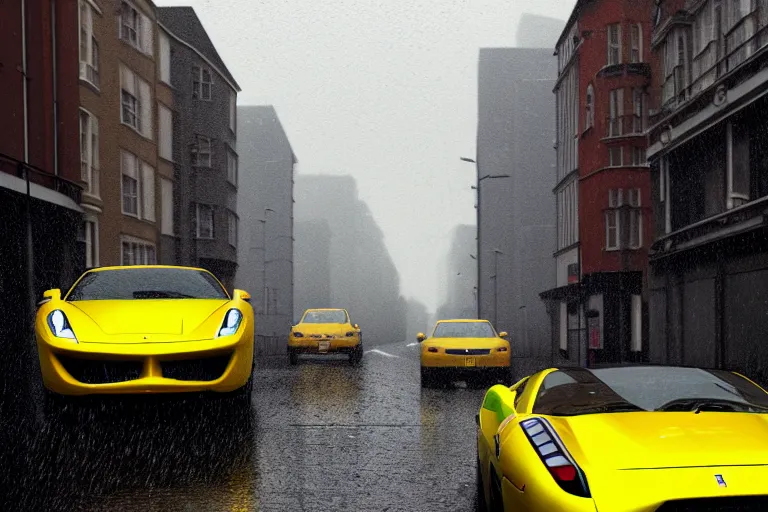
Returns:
(323, 435)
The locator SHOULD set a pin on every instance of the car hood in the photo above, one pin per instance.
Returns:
(653, 440)
(324, 329)
(111, 320)
(453, 343)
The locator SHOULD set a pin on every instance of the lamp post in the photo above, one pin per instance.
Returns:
(496, 253)
(479, 223)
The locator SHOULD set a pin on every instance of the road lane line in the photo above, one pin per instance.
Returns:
(411, 344)
(377, 351)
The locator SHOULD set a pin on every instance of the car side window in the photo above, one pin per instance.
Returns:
(519, 392)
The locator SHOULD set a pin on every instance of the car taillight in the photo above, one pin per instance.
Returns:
(298, 335)
(555, 457)
(431, 349)
(502, 349)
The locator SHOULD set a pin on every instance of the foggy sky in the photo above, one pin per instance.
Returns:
(385, 91)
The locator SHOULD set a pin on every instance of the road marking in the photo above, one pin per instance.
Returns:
(377, 351)
(411, 344)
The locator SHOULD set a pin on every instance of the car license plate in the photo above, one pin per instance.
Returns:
(470, 361)
(323, 346)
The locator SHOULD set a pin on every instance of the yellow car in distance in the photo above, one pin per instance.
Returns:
(639, 439)
(325, 331)
(145, 329)
(464, 348)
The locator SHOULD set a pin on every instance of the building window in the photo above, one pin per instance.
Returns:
(90, 239)
(232, 226)
(614, 44)
(135, 28)
(616, 112)
(136, 102)
(612, 219)
(166, 208)
(567, 215)
(635, 219)
(135, 251)
(623, 223)
(201, 83)
(232, 111)
(165, 132)
(89, 152)
(201, 152)
(563, 326)
(138, 187)
(638, 107)
(637, 323)
(638, 157)
(615, 156)
(204, 221)
(589, 120)
(738, 171)
(89, 48)
(232, 167)
(165, 58)
(637, 44)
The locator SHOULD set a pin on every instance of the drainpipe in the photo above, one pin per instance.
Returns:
(55, 92)
(28, 206)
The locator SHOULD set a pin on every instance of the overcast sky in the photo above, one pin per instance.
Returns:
(382, 90)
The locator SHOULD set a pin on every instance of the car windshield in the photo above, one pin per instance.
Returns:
(147, 283)
(464, 330)
(579, 391)
(325, 317)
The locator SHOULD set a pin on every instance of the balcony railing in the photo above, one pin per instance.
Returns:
(624, 126)
(738, 220)
(41, 177)
(717, 59)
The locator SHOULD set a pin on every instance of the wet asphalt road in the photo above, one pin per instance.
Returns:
(322, 435)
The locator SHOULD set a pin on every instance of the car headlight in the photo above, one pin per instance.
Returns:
(350, 334)
(59, 325)
(231, 323)
(298, 335)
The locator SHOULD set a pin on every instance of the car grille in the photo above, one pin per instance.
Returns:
(740, 504)
(204, 369)
(321, 336)
(468, 352)
(92, 371)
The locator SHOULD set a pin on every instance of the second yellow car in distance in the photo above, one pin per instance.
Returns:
(325, 331)
(464, 347)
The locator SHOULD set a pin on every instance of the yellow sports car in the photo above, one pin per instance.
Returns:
(464, 347)
(325, 331)
(640, 439)
(145, 329)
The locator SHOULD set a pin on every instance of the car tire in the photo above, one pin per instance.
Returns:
(497, 500)
(480, 504)
(356, 356)
(428, 378)
(293, 357)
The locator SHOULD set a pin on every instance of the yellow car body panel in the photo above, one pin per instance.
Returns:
(147, 333)
(333, 337)
(631, 461)
(435, 351)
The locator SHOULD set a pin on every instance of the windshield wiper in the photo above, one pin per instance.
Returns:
(696, 405)
(160, 294)
(606, 407)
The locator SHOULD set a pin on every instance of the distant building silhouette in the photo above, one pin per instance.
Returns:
(363, 277)
(461, 275)
(313, 265)
(536, 31)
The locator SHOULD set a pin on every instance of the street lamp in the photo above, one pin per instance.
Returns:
(496, 253)
(478, 221)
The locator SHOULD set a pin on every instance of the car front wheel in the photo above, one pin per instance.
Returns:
(293, 357)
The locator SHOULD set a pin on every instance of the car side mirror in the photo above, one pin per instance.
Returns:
(242, 295)
(503, 334)
(420, 337)
(50, 295)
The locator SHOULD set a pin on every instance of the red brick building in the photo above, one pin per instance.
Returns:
(39, 152)
(603, 185)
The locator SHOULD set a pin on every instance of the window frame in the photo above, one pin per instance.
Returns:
(198, 222)
(92, 161)
(201, 141)
(232, 227)
(137, 246)
(199, 83)
(142, 25)
(617, 47)
(89, 64)
(232, 172)
(636, 43)
(589, 120)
